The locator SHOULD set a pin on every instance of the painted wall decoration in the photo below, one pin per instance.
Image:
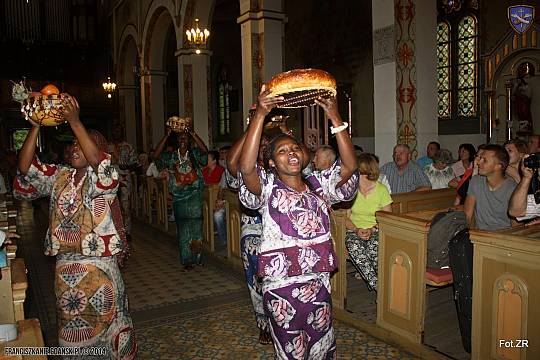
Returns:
(406, 73)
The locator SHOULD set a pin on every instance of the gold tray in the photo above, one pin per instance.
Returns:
(304, 97)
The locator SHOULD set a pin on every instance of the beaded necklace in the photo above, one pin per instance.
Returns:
(72, 192)
(184, 162)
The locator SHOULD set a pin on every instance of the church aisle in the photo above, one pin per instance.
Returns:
(203, 314)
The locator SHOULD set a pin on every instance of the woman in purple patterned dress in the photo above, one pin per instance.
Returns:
(296, 252)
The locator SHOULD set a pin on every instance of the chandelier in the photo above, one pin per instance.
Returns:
(197, 37)
(109, 87)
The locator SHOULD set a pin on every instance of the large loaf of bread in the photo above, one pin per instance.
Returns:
(301, 80)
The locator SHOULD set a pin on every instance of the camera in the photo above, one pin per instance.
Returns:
(532, 161)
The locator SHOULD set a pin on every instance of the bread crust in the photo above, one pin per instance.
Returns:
(300, 80)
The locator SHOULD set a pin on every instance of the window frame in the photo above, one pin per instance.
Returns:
(455, 123)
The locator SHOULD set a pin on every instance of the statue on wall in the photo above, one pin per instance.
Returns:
(523, 97)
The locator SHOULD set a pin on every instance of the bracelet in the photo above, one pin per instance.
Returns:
(335, 130)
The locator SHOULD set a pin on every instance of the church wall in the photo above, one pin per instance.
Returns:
(452, 142)
(336, 38)
(427, 126)
(384, 84)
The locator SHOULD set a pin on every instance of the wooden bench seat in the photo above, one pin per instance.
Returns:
(19, 284)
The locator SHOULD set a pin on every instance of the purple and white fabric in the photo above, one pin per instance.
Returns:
(296, 258)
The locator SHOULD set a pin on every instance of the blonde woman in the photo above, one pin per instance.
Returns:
(362, 239)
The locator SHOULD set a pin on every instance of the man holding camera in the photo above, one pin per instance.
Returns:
(523, 206)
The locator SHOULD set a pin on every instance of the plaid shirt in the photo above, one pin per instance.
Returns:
(413, 177)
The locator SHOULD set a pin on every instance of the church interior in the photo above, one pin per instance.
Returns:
(175, 179)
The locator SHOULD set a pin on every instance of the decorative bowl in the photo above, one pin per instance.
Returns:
(45, 110)
(180, 124)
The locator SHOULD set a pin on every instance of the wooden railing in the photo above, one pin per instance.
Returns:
(13, 284)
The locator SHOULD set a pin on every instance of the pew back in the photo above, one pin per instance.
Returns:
(506, 293)
(422, 200)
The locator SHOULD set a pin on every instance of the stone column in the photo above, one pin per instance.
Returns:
(261, 24)
(384, 79)
(153, 106)
(194, 90)
(405, 69)
(127, 95)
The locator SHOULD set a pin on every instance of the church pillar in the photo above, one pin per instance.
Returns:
(384, 79)
(194, 90)
(153, 95)
(128, 116)
(405, 67)
(261, 24)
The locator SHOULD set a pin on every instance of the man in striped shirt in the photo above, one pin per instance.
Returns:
(403, 174)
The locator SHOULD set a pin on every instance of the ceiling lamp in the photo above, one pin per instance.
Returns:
(197, 37)
(109, 87)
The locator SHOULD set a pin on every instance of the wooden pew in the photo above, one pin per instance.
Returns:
(134, 194)
(404, 202)
(209, 199)
(144, 199)
(13, 287)
(28, 335)
(506, 294)
(157, 192)
(233, 217)
(7, 313)
(422, 200)
(19, 284)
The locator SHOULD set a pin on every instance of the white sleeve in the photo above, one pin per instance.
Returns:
(533, 209)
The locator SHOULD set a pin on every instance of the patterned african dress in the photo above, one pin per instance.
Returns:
(124, 155)
(250, 239)
(296, 259)
(186, 184)
(92, 306)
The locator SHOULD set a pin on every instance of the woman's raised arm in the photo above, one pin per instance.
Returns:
(345, 146)
(250, 150)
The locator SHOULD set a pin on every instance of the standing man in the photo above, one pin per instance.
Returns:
(124, 159)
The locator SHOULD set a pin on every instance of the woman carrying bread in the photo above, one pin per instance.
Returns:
(296, 252)
(86, 237)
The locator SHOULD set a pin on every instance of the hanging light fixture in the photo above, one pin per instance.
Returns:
(109, 87)
(197, 37)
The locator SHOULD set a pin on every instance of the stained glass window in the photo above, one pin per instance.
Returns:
(443, 69)
(467, 67)
(457, 64)
(224, 112)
